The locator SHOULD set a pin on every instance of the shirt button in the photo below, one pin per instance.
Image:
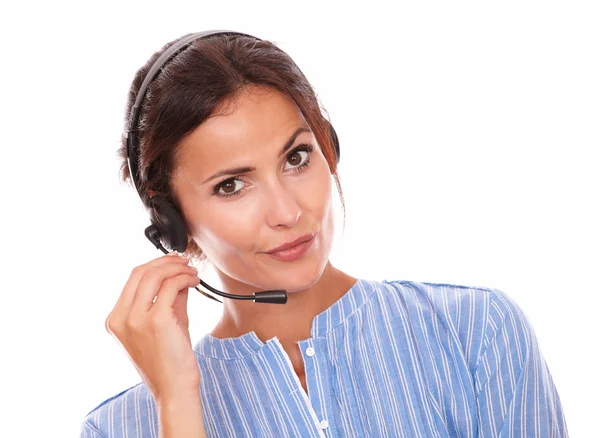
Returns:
(310, 351)
(324, 424)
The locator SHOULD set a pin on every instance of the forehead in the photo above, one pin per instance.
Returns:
(257, 121)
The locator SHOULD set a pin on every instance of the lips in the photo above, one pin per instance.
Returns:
(293, 250)
(291, 244)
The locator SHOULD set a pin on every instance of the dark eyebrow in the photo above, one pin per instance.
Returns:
(241, 170)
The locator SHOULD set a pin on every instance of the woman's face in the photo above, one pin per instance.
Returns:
(242, 197)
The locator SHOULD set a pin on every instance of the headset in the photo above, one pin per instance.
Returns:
(167, 225)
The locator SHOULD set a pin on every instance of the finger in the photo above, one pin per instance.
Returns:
(123, 306)
(180, 306)
(138, 273)
(173, 289)
(152, 281)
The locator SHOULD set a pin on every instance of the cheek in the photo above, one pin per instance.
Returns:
(317, 192)
(328, 218)
(221, 233)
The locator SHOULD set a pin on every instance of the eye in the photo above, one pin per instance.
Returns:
(299, 157)
(228, 187)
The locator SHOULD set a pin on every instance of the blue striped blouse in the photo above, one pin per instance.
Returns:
(388, 359)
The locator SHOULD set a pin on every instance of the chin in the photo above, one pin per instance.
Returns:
(299, 275)
(296, 279)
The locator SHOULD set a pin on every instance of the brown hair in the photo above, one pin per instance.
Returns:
(208, 72)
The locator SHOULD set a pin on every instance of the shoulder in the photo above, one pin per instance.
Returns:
(469, 316)
(128, 412)
(450, 302)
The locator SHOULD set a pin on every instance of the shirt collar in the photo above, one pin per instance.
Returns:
(249, 343)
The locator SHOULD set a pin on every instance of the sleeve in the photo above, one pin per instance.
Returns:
(515, 394)
(89, 431)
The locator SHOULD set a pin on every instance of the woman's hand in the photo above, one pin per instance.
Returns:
(150, 321)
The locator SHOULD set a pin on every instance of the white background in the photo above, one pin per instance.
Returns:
(470, 137)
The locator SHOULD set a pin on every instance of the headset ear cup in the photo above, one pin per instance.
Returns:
(334, 140)
(169, 224)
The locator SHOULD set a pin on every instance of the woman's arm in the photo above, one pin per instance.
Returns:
(89, 431)
(150, 321)
(181, 417)
(516, 396)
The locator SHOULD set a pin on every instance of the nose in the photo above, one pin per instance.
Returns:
(282, 206)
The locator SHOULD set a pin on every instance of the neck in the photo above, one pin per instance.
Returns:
(289, 322)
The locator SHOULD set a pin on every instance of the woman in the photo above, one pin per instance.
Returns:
(231, 135)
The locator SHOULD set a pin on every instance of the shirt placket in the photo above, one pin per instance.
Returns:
(317, 381)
